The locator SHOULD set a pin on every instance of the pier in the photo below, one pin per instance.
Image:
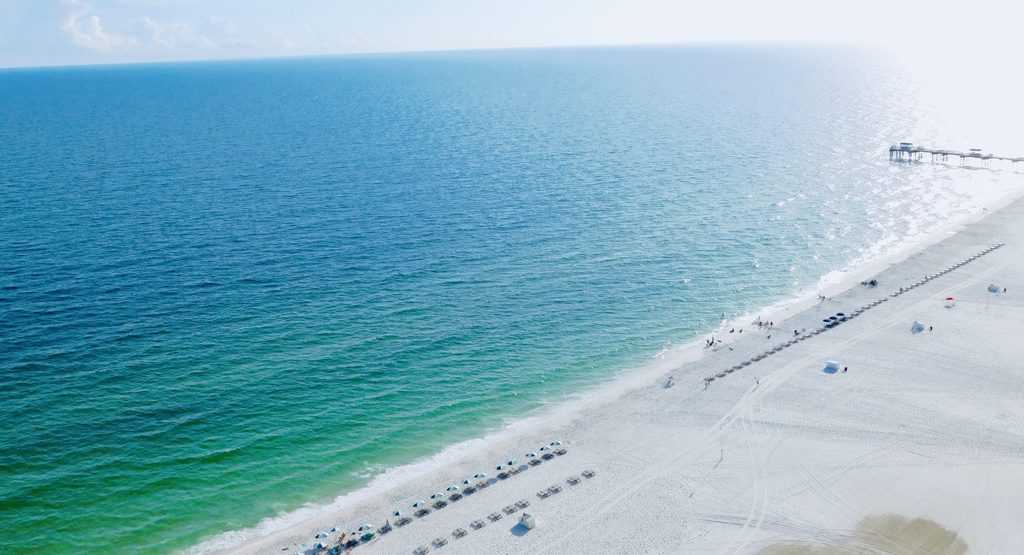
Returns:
(910, 152)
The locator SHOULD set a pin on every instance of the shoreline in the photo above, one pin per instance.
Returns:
(385, 489)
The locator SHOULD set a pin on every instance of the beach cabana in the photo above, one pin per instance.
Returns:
(527, 521)
(400, 519)
(421, 509)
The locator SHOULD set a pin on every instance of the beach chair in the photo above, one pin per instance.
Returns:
(469, 490)
(555, 489)
(421, 550)
(440, 504)
(720, 374)
(477, 524)
(572, 480)
(560, 451)
(509, 509)
(543, 494)
(494, 517)
(402, 521)
(422, 512)
(440, 542)
(535, 462)
(522, 503)
(588, 474)
(548, 455)
(459, 533)
(455, 497)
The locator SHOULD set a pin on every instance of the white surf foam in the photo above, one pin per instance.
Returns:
(888, 250)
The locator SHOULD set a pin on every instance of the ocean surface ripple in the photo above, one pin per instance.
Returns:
(229, 289)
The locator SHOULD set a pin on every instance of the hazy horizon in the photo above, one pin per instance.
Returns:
(103, 32)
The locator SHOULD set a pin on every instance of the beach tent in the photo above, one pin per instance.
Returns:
(831, 367)
(917, 327)
(528, 521)
(950, 302)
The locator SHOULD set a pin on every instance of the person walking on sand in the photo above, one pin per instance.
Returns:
(845, 368)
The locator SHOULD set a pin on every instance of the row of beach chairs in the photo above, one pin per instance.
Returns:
(437, 501)
(947, 270)
(854, 314)
(508, 510)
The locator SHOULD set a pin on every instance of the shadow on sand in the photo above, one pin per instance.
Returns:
(889, 533)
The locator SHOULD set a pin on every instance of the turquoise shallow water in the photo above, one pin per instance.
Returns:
(228, 289)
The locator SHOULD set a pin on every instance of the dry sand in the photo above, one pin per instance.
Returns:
(919, 448)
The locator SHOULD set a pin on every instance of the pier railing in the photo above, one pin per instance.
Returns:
(910, 152)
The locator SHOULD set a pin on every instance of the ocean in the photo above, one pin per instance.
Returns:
(229, 290)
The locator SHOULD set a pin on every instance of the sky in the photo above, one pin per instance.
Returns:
(71, 32)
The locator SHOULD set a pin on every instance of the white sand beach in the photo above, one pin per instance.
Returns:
(917, 448)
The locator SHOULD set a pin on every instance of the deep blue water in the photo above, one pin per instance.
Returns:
(227, 289)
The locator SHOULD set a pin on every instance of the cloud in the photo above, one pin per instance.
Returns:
(148, 37)
(174, 36)
(85, 29)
